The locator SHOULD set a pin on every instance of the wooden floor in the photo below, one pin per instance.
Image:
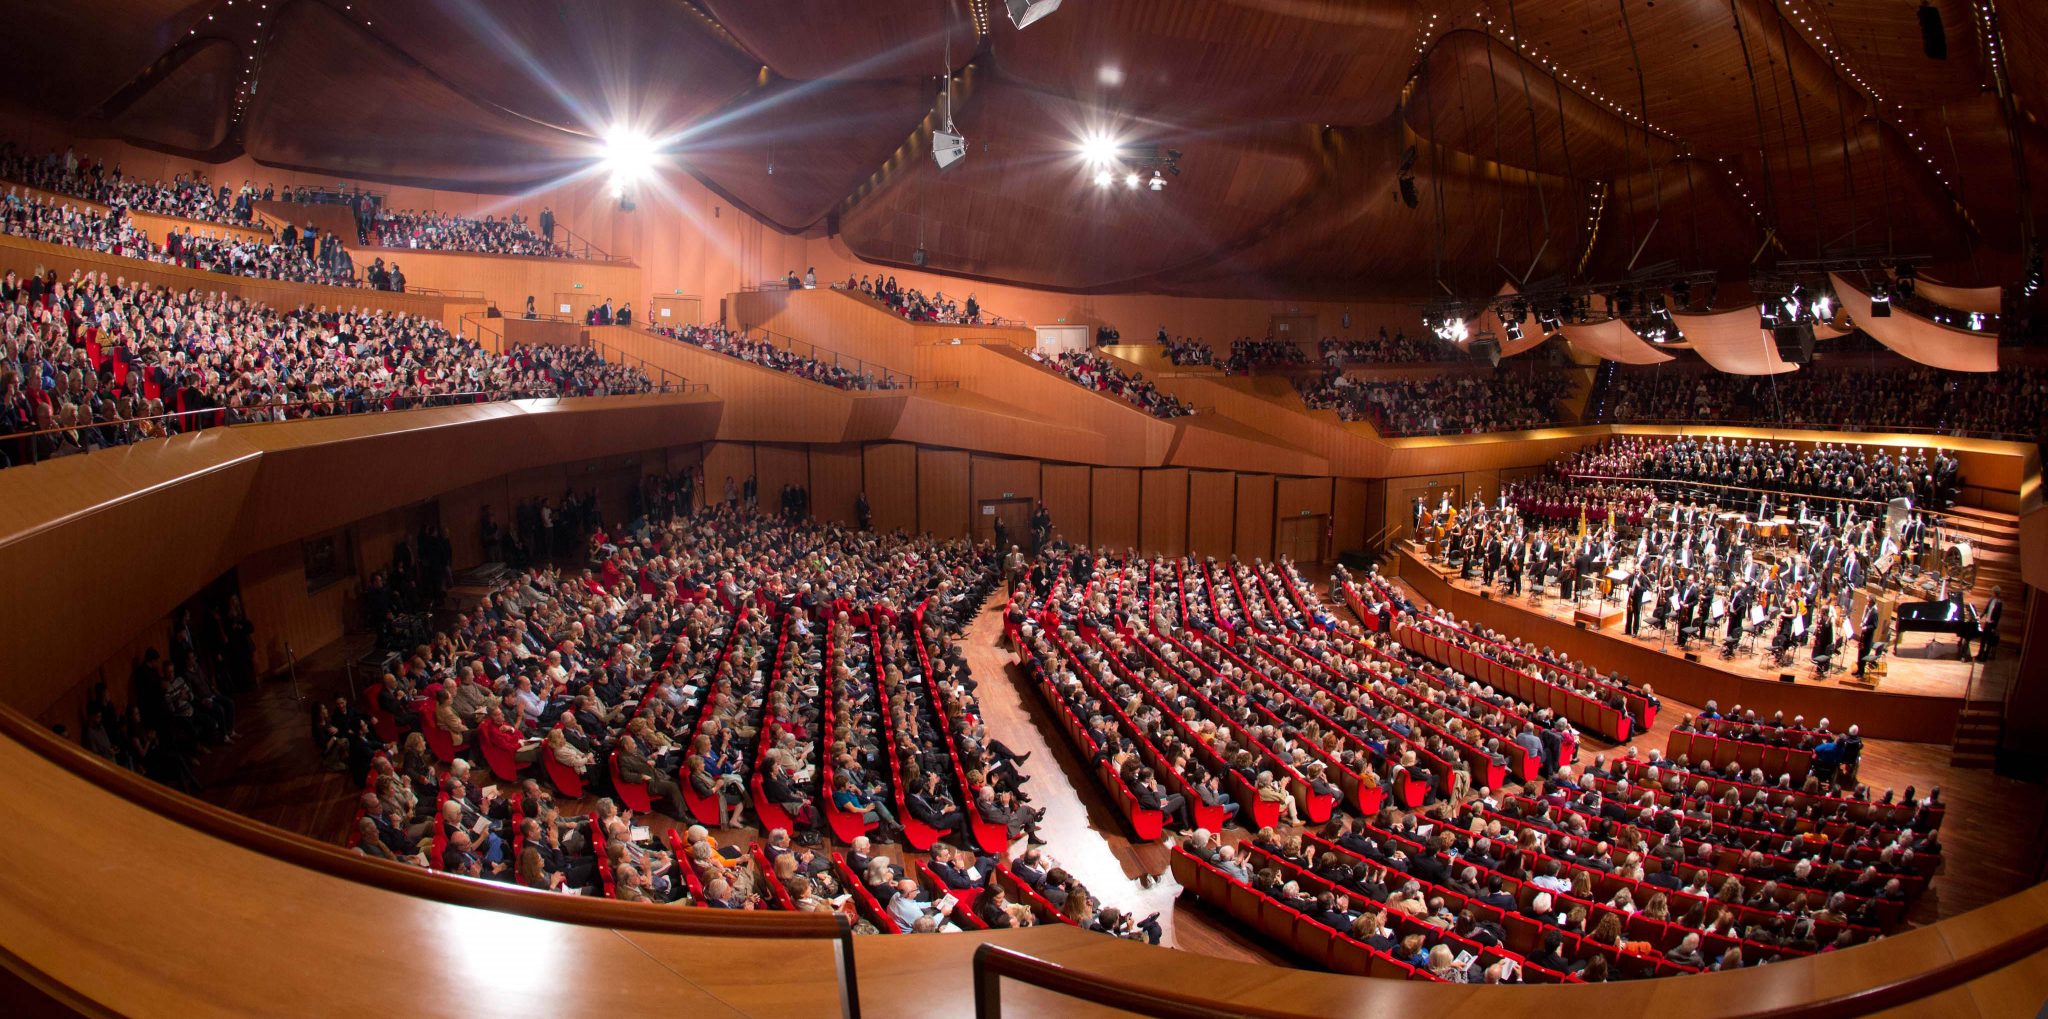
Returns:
(272, 775)
(1921, 664)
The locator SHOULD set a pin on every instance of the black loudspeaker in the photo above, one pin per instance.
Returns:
(1795, 343)
(1785, 677)
(1485, 594)
(1489, 349)
(1692, 656)
(1933, 37)
(1580, 623)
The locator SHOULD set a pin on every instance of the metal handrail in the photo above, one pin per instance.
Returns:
(823, 355)
(180, 422)
(609, 352)
(1873, 428)
(1683, 483)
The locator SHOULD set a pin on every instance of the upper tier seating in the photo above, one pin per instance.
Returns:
(1444, 405)
(2010, 403)
(110, 363)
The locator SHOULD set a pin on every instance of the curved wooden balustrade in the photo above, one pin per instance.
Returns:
(1988, 962)
(122, 897)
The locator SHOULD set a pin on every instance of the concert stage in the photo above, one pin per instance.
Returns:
(1919, 700)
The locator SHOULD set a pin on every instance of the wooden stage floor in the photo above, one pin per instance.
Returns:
(1925, 664)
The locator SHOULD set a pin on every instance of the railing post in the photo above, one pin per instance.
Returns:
(988, 985)
(849, 972)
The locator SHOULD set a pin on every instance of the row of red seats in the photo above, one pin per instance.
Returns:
(1720, 751)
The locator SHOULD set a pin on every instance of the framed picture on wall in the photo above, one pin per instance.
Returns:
(329, 558)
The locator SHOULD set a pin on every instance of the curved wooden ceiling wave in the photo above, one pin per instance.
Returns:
(1313, 61)
(1275, 101)
(872, 40)
(1022, 207)
(185, 107)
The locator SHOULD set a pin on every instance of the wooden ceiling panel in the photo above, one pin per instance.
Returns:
(1357, 237)
(873, 39)
(1022, 205)
(1693, 68)
(1687, 211)
(68, 56)
(1477, 95)
(1880, 40)
(654, 63)
(335, 99)
(1316, 61)
(792, 150)
(187, 109)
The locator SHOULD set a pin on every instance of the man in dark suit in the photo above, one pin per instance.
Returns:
(932, 806)
(634, 767)
(547, 223)
(1637, 585)
(1987, 625)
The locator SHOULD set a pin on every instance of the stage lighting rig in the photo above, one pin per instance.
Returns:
(1025, 13)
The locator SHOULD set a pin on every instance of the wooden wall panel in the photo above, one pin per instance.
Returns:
(1163, 512)
(1347, 515)
(891, 472)
(1254, 517)
(1295, 497)
(1003, 478)
(835, 483)
(942, 492)
(462, 518)
(1484, 482)
(284, 612)
(724, 460)
(1113, 508)
(779, 466)
(507, 280)
(1212, 512)
(1066, 491)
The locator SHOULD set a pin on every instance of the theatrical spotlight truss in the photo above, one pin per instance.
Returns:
(1136, 168)
(1646, 301)
(1449, 321)
(1023, 13)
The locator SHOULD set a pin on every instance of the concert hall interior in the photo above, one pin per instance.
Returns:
(1280, 508)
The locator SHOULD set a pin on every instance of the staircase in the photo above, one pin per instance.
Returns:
(1977, 732)
(1995, 543)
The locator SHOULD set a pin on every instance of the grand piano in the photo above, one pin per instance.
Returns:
(1948, 615)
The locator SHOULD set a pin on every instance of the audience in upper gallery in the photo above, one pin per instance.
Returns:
(1383, 349)
(2011, 402)
(1097, 373)
(1843, 471)
(1186, 352)
(1247, 355)
(29, 215)
(186, 196)
(97, 361)
(440, 231)
(909, 303)
(1442, 405)
(767, 355)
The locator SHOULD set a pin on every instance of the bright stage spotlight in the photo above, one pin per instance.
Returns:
(1099, 149)
(1132, 181)
(1103, 178)
(628, 157)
